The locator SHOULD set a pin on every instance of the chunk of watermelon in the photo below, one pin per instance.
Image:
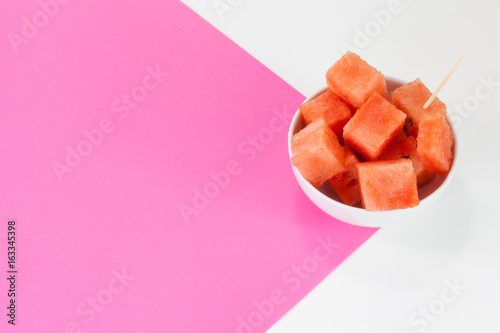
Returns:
(400, 149)
(424, 176)
(346, 184)
(355, 81)
(316, 153)
(410, 99)
(434, 143)
(386, 185)
(329, 107)
(401, 137)
(374, 127)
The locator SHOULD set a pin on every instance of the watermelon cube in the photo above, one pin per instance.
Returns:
(410, 99)
(374, 127)
(400, 149)
(434, 143)
(316, 153)
(401, 137)
(329, 107)
(424, 176)
(354, 80)
(346, 184)
(386, 185)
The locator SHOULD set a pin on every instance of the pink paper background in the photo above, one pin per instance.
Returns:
(117, 212)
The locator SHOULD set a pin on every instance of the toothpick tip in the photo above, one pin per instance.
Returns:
(433, 96)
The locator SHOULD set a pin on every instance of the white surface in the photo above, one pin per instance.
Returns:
(404, 268)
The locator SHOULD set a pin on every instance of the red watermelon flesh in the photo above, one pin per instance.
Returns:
(434, 143)
(346, 184)
(374, 127)
(386, 185)
(410, 99)
(424, 176)
(401, 149)
(317, 153)
(355, 81)
(329, 107)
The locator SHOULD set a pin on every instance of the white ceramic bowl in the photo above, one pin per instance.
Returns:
(327, 200)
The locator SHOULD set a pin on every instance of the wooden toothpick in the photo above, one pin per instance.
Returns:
(433, 96)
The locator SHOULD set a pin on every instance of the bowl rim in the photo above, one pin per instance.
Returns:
(425, 202)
